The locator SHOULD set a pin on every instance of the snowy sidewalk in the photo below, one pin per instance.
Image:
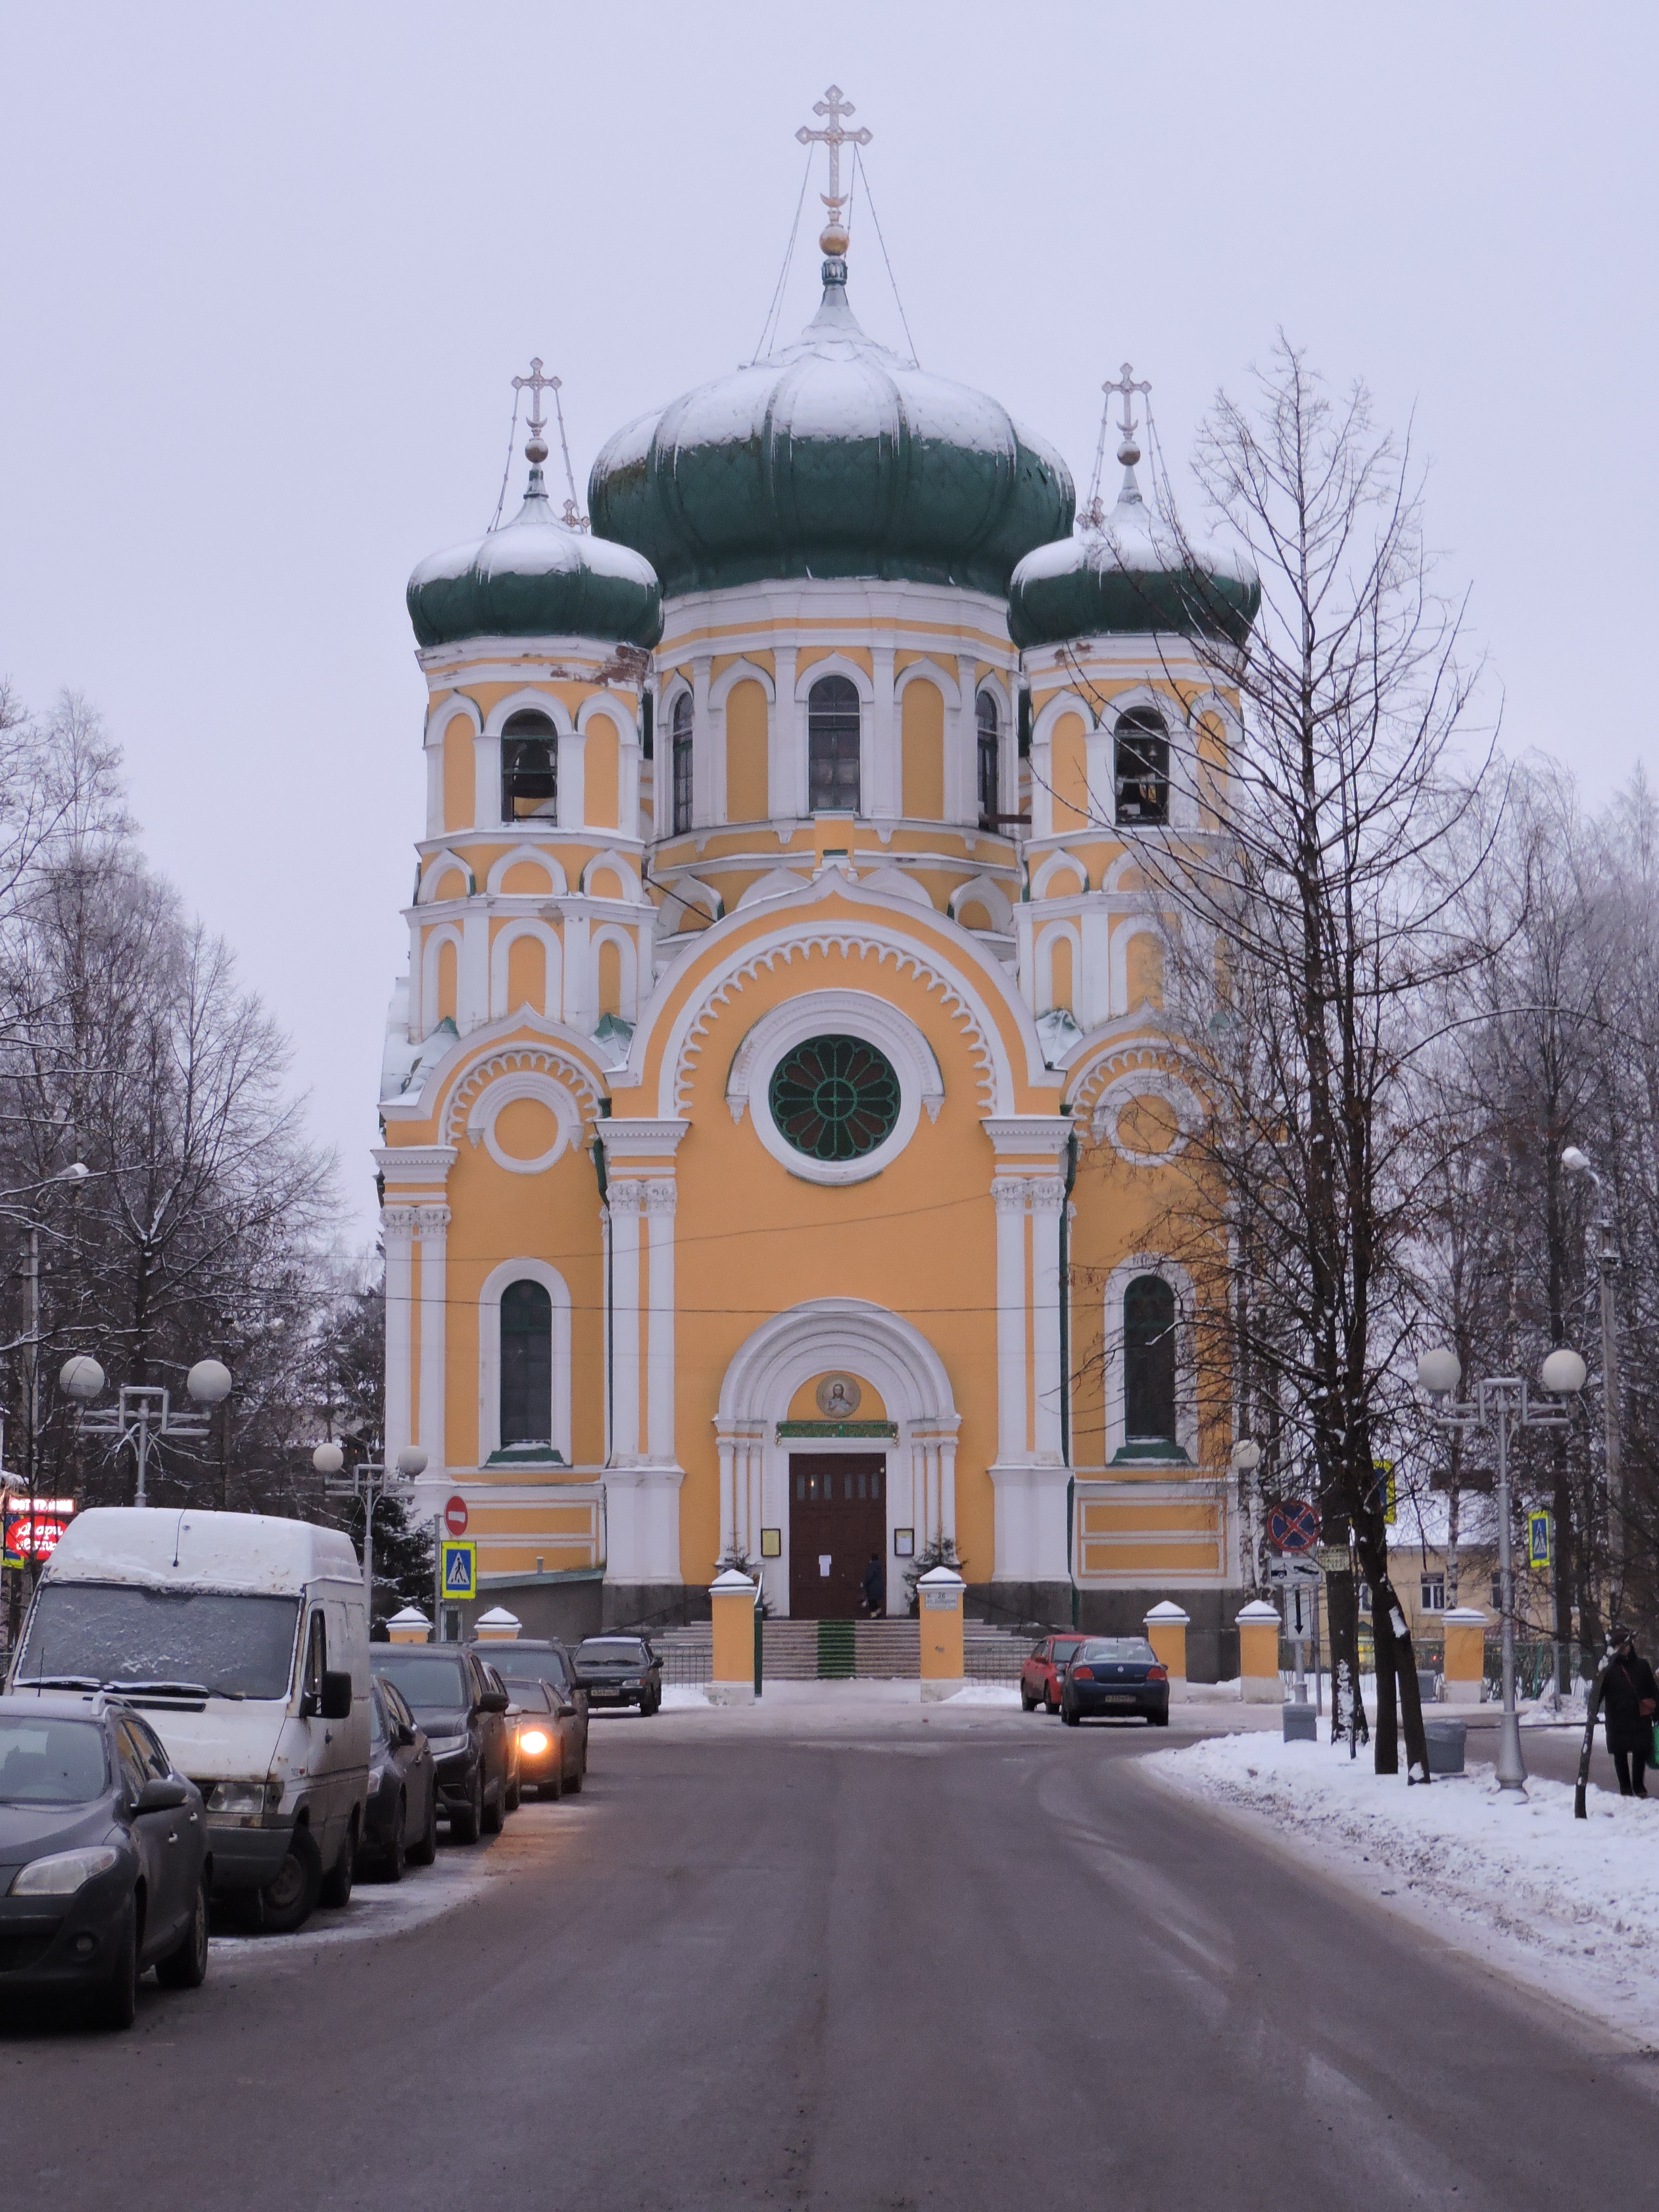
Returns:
(1572, 1906)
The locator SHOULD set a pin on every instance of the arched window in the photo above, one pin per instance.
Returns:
(990, 780)
(682, 762)
(832, 746)
(1149, 1360)
(526, 1364)
(530, 768)
(1143, 768)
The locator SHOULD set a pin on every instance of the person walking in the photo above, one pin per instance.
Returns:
(875, 1595)
(1630, 1701)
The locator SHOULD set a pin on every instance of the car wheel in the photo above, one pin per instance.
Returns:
(514, 1794)
(117, 2007)
(466, 1823)
(1050, 1703)
(288, 1902)
(1071, 1715)
(1158, 1720)
(553, 1788)
(336, 1891)
(396, 1856)
(426, 1851)
(1027, 1702)
(573, 1783)
(185, 1967)
(496, 1813)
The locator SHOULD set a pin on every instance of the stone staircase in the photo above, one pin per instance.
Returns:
(843, 1651)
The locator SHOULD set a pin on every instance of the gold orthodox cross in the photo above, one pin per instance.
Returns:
(835, 138)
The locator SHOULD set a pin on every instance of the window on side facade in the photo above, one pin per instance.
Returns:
(1143, 768)
(1434, 1594)
(990, 760)
(832, 746)
(682, 748)
(526, 1364)
(530, 768)
(1149, 1360)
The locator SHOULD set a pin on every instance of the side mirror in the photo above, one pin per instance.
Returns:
(405, 1736)
(162, 1797)
(493, 1701)
(335, 1704)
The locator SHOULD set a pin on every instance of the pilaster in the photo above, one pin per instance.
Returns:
(432, 1227)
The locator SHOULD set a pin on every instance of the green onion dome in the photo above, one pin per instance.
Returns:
(536, 577)
(1127, 572)
(833, 458)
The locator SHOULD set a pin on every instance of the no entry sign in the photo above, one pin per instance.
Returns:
(1293, 1526)
(455, 1517)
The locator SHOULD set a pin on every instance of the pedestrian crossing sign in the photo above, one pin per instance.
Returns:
(1540, 1549)
(460, 1570)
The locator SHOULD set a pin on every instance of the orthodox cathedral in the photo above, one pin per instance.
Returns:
(778, 1114)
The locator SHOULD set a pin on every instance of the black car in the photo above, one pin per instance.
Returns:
(103, 1861)
(400, 1820)
(536, 1659)
(620, 1671)
(514, 1787)
(1113, 1678)
(464, 1716)
(541, 1732)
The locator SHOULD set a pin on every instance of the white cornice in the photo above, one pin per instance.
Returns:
(421, 1164)
(1015, 1133)
(640, 1139)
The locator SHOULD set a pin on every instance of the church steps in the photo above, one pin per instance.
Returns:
(823, 1650)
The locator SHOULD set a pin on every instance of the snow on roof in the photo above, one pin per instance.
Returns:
(163, 1546)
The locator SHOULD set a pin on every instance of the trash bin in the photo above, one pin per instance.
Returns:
(1446, 1741)
(1301, 1724)
(1426, 1679)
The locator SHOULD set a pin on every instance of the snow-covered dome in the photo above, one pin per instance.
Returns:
(1127, 572)
(536, 577)
(834, 457)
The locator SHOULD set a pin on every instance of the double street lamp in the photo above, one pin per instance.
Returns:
(369, 1480)
(145, 1410)
(1503, 1403)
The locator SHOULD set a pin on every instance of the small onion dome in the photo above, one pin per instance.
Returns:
(1127, 572)
(536, 577)
(832, 458)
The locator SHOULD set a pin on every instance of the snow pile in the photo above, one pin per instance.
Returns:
(1565, 1903)
(988, 1693)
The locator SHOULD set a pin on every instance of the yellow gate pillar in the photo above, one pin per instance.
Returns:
(1466, 1651)
(1258, 1654)
(941, 1591)
(1166, 1627)
(410, 1625)
(732, 1601)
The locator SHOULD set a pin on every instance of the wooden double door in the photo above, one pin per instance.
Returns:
(837, 1518)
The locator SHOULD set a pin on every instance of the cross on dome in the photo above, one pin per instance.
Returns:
(536, 383)
(1128, 450)
(834, 238)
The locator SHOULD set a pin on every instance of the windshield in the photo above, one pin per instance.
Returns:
(50, 1762)
(610, 1653)
(1127, 1650)
(533, 1666)
(229, 1644)
(532, 1696)
(427, 1679)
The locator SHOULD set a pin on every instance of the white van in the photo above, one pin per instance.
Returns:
(245, 1640)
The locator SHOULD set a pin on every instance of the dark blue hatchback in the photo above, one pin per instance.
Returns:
(1114, 1677)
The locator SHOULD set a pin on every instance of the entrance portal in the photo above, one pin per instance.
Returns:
(837, 1517)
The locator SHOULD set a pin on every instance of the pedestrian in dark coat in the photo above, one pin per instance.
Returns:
(875, 1588)
(1630, 1701)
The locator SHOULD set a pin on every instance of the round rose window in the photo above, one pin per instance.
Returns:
(835, 1097)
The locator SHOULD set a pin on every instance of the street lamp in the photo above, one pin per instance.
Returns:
(370, 1480)
(1578, 1163)
(1503, 1403)
(145, 1409)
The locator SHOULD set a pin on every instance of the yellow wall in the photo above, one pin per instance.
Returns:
(527, 975)
(924, 752)
(460, 800)
(609, 966)
(447, 974)
(746, 797)
(601, 773)
(1069, 773)
(525, 880)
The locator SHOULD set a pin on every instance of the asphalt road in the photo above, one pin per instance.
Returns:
(970, 1961)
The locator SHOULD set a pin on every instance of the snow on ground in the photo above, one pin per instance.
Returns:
(1566, 1905)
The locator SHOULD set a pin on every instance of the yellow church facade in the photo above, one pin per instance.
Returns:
(780, 1127)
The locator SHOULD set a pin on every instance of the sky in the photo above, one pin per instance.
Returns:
(268, 273)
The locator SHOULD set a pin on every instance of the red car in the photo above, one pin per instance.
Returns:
(1039, 1678)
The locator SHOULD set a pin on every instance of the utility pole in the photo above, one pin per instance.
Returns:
(1606, 1254)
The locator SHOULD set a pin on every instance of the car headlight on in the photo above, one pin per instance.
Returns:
(63, 1873)
(534, 1741)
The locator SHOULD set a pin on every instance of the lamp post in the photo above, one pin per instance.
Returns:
(369, 1480)
(1607, 1236)
(1247, 1457)
(145, 1409)
(1503, 1403)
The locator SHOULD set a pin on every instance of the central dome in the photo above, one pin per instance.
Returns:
(833, 458)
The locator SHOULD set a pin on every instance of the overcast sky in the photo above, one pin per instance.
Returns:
(267, 272)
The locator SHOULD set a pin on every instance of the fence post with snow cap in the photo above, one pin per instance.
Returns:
(1166, 1627)
(944, 1670)
(732, 1603)
(1465, 1628)
(1258, 1654)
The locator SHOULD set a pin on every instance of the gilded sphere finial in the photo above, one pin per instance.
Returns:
(833, 238)
(536, 450)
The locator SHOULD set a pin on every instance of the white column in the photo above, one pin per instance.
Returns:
(432, 1224)
(781, 779)
(398, 1229)
(572, 794)
(623, 1199)
(730, 1454)
(1048, 1197)
(659, 1195)
(961, 756)
(880, 772)
(435, 786)
(487, 781)
(581, 995)
(754, 1453)
(947, 1487)
(473, 969)
(1009, 1194)
(702, 746)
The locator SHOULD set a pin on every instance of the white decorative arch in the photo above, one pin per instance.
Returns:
(497, 1061)
(984, 891)
(1050, 866)
(776, 883)
(1122, 1091)
(928, 671)
(1151, 1263)
(434, 872)
(1126, 863)
(625, 871)
(538, 856)
(1058, 933)
(1062, 703)
(834, 663)
(444, 933)
(528, 699)
(500, 964)
(868, 1339)
(835, 1012)
(442, 712)
(489, 1353)
(740, 672)
(523, 1083)
(611, 933)
(693, 891)
(1124, 934)
(614, 710)
(890, 881)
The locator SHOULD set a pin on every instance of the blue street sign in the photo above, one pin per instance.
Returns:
(460, 1569)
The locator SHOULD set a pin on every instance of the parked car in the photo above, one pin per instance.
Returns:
(246, 1637)
(400, 1823)
(463, 1715)
(105, 1847)
(534, 1720)
(514, 1784)
(1039, 1678)
(535, 1659)
(1113, 1677)
(620, 1671)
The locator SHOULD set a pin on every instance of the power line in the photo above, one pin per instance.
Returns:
(788, 255)
(858, 166)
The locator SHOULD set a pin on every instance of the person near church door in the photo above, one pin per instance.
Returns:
(1630, 1701)
(875, 1595)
